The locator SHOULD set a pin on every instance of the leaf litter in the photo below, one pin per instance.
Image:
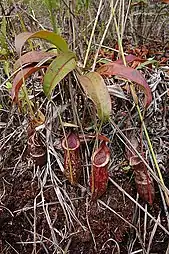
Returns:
(42, 211)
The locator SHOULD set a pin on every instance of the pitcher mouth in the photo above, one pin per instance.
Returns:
(101, 156)
(71, 142)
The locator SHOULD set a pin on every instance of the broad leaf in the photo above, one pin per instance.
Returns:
(51, 37)
(95, 87)
(57, 70)
(33, 57)
(129, 59)
(19, 79)
(129, 74)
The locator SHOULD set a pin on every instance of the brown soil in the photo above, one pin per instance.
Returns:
(101, 224)
(28, 199)
(98, 229)
(21, 191)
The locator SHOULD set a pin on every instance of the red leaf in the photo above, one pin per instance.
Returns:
(19, 79)
(144, 182)
(129, 59)
(165, 1)
(129, 73)
(33, 57)
(72, 161)
(99, 174)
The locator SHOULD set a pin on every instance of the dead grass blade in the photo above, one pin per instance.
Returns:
(134, 201)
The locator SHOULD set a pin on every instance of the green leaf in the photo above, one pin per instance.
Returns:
(104, 60)
(3, 52)
(51, 37)
(150, 61)
(95, 87)
(52, 4)
(57, 70)
(8, 85)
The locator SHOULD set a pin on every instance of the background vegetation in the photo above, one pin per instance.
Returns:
(43, 209)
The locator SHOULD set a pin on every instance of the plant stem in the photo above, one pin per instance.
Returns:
(28, 100)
